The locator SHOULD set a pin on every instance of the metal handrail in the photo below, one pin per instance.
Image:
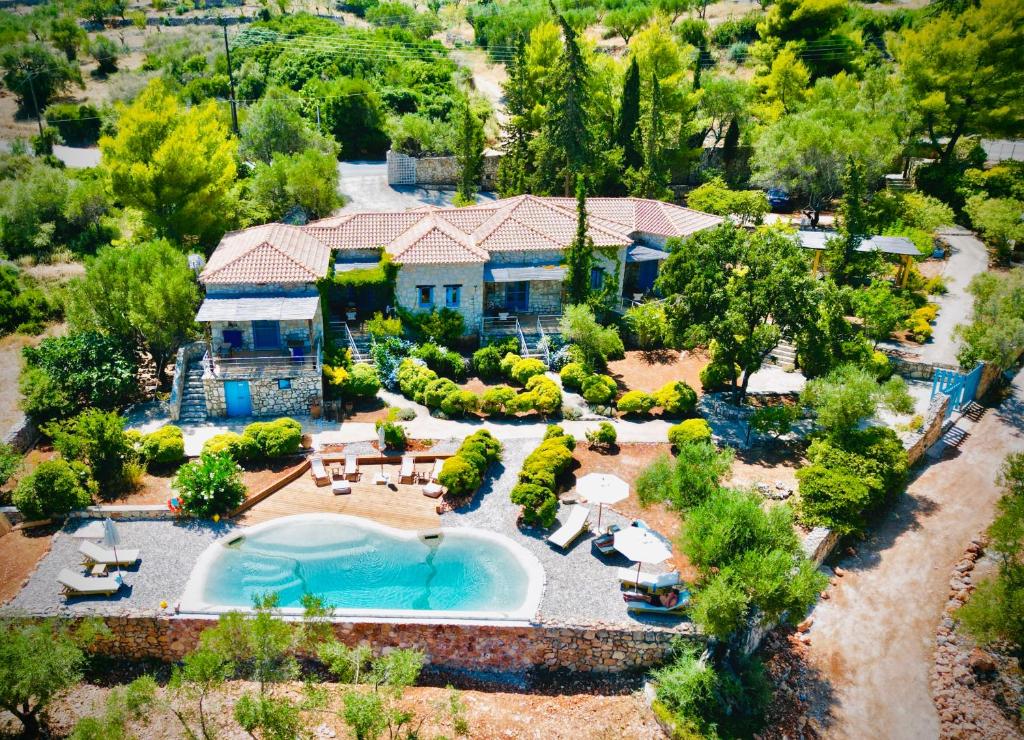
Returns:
(214, 365)
(524, 348)
(357, 356)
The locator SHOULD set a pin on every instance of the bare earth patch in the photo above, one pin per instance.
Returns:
(20, 551)
(771, 465)
(649, 371)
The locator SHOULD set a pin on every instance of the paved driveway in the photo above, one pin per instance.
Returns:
(873, 640)
(365, 187)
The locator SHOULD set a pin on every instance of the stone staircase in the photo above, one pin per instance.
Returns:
(784, 354)
(533, 346)
(193, 399)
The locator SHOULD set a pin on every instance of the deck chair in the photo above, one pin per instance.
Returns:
(643, 606)
(648, 581)
(93, 554)
(351, 467)
(575, 525)
(318, 471)
(436, 472)
(75, 584)
(408, 472)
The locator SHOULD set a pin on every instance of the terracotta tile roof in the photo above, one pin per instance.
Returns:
(272, 253)
(431, 235)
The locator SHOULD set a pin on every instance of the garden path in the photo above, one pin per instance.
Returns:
(874, 639)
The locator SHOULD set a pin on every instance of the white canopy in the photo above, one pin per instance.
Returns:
(601, 489)
(259, 308)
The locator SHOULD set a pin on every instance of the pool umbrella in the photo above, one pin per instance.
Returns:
(94, 530)
(641, 545)
(381, 443)
(111, 538)
(602, 488)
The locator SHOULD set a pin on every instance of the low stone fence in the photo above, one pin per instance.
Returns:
(437, 171)
(486, 647)
(22, 434)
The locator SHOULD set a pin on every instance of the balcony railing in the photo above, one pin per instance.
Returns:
(244, 363)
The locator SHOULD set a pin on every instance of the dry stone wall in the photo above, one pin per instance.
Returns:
(437, 171)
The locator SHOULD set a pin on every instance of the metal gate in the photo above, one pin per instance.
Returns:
(960, 387)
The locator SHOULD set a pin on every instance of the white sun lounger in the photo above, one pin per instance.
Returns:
(407, 474)
(351, 467)
(436, 472)
(75, 584)
(93, 554)
(575, 525)
(318, 471)
(643, 606)
(650, 581)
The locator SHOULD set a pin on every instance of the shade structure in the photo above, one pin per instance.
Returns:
(601, 489)
(642, 545)
(112, 538)
(95, 530)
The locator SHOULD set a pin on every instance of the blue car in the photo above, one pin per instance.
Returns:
(778, 198)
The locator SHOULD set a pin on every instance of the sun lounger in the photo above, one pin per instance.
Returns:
(75, 584)
(351, 467)
(649, 581)
(643, 606)
(318, 471)
(433, 490)
(575, 525)
(435, 474)
(340, 487)
(407, 474)
(93, 554)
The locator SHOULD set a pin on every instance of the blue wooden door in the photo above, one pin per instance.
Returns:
(645, 275)
(236, 397)
(266, 335)
(517, 296)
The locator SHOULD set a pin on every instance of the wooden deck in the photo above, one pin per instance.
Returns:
(406, 508)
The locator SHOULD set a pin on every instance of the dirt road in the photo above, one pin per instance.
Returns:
(873, 640)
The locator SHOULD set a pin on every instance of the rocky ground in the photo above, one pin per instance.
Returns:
(977, 692)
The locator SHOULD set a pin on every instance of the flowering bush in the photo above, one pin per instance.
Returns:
(210, 485)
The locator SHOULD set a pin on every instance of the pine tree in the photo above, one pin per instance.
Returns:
(844, 262)
(470, 156)
(628, 123)
(579, 257)
(652, 180)
(516, 164)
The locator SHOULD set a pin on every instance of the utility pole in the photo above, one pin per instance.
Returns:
(231, 80)
(35, 103)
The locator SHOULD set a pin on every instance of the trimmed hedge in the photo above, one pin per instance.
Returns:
(442, 360)
(527, 368)
(599, 389)
(259, 440)
(463, 472)
(604, 436)
(573, 375)
(691, 430)
(537, 492)
(165, 446)
(676, 399)
(636, 402)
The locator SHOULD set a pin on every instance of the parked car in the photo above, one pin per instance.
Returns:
(778, 198)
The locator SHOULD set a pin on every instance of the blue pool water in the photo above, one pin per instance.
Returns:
(356, 566)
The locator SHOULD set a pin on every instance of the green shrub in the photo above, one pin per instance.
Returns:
(10, 462)
(717, 375)
(539, 504)
(362, 382)
(97, 438)
(655, 482)
(603, 436)
(79, 125)
(880, 366)
(463, 473)
(543, 395)
(599, 389)
(239, 447)
(508, 362)
(275, 438)
(442, 326)
(774, 420)
(676, 399)
(573, 376)
(165, 446)
(647, 323)
(691, 430)
(413, 379)
(687, 481)
(495, 401)
(459, 403)
(394, 434)
(443, 361)
(831, 498)
(487, 362)
(210, 485)
(536, 491)
(526, 368)
(380, 326)
(636, 402)
(437, 390)
(54, 488)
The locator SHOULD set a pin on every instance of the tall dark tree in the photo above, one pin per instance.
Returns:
(568, 145)
(628, 124)
(652, 180)
(517, 164)
(844, 262)
(470, 154)
(579, 257)
(730, 147)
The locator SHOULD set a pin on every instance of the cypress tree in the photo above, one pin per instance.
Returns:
(730, 146)
(516, 164)
(470, 156)
(579, 257)
(628, 123)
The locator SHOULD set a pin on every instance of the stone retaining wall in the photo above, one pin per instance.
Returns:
(551, 646)
(437, 171)
(22, 434)
(934, 421)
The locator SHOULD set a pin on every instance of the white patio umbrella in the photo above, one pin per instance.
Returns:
(94, 530)
(641, 545)
(602, 488)
(381, 443)
(111, 538)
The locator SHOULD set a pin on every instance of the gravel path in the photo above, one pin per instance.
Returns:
(581, 585)
(169, 550)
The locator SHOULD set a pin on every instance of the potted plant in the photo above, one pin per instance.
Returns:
(315, 409)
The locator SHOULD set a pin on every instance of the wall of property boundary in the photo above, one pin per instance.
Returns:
(598, 648)
(438, 171)
(22, 434)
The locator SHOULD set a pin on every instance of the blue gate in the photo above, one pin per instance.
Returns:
(237, 398)
(960, 387)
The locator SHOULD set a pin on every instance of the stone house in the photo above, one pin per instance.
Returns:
(498, 264)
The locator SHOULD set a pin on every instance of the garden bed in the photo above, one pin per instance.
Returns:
(649, 371)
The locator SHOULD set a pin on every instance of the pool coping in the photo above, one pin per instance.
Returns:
(191, 601)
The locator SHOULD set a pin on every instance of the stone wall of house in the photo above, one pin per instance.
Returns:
(437, 171)
(589, 648)
(268, 399)
(469, 276)
(256, 289)
(292, 330)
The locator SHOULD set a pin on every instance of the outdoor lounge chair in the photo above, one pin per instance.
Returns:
(436, 472)
(93, 554)
(643, 606)
(351, 467)
(318, 471)
(574, 526)
(75, 584)
(649, 581)
(408, 472)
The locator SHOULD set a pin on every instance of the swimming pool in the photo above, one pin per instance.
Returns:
(362, 568)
